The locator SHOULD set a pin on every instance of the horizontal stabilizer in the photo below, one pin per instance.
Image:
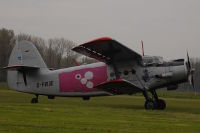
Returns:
(119, 86)
(21, 68)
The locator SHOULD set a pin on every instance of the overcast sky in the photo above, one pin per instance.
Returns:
(167, 27)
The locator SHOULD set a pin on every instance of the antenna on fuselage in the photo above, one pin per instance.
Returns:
(142, 48)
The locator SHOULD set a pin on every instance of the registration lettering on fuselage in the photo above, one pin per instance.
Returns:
(44, 84)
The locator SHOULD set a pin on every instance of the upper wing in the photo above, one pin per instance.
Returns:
(119, 86)
(107, 50)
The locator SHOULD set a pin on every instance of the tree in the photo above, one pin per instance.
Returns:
(6, 44)
(60, 53)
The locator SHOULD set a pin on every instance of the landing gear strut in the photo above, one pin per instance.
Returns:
(159, 103)
(35, 99)
(154, 102)
(149, 104)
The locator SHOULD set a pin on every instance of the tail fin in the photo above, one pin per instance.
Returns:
(24, 61)
(26, 54)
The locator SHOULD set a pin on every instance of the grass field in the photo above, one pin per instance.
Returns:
(102, 114)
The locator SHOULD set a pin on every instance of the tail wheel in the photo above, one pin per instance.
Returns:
(34, 100)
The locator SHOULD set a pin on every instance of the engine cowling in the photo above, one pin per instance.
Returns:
(172, 87)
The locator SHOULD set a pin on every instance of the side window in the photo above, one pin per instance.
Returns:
(126, 72)
(112, 74)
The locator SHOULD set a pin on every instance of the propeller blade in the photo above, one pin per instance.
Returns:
(190, 72)
(188, 61)
(192, 81)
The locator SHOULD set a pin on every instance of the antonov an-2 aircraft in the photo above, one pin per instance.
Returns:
(120, 71)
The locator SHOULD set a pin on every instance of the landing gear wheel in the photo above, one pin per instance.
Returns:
(160, 104)
(153, 102)
(149, 105)
(34, 100)
(86, 98)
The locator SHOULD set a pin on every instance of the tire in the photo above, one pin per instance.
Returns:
(86, 98)
(34, 100)
(149, 105)
(160, 104)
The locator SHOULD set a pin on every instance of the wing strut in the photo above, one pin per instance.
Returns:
(117, 73)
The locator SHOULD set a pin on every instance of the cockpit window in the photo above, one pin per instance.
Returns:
(152, 60)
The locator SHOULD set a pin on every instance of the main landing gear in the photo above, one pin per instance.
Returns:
(154, 102)
(86, 98)
(35, 99)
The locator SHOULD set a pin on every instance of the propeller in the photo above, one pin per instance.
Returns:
(190, 71)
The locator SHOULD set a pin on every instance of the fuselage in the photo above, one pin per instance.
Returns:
(74, 81)
(80, 81)
(123, 72)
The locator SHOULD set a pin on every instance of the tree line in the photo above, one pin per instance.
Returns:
(57, 54)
